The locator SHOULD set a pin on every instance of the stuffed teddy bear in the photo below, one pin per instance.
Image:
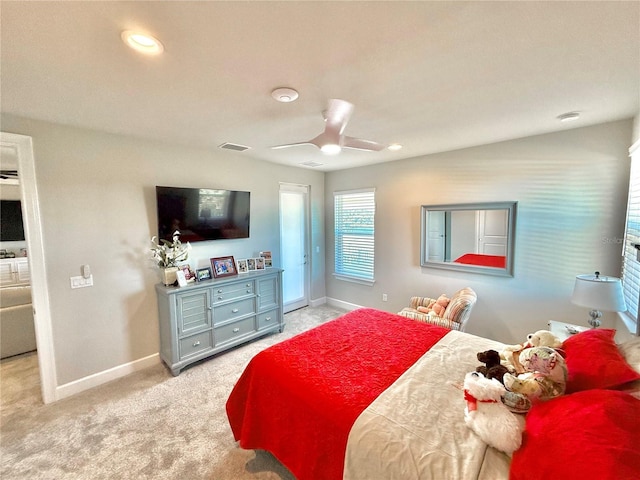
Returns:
(545, 377)
(543, 338)
(488, 417)
(492, 367)
(436, 307)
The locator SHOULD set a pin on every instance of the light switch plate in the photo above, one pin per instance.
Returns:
(80, 281)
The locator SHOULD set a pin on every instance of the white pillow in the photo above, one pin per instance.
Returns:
(630, 350)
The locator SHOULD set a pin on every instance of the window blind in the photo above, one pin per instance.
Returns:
(630, 263)
(355, 234)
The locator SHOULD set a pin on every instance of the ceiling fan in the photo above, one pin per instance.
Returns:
(333, 140)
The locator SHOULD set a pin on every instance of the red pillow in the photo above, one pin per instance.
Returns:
(590, 434)
(594, 361)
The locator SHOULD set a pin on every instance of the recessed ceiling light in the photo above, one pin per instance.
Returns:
(394, 147)
(142, 42)
(284, 94)
(569, 117)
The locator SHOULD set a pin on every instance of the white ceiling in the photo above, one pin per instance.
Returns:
(433, 76)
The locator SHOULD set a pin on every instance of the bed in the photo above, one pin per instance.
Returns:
(495, 261)
(373, 395)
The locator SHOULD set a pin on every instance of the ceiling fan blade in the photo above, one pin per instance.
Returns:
(287, 145)
(360, 144)
(337, 116)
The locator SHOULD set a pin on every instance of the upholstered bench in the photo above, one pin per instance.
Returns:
(454, 317)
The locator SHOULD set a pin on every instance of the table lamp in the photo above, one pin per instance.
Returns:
(598, 293)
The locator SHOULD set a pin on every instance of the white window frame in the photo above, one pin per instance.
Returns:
(631, 254)
(344, 269)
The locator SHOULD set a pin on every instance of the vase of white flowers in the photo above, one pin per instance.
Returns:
(168, 255)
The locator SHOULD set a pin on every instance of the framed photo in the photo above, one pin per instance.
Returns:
(203, 274)
(259, 263)
(188, 274)
(242, 266)
(182, 281)
(251, 264)
(223, 266)
(266, 255)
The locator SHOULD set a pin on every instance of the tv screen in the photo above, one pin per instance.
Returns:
(202, 214)
(11, 228)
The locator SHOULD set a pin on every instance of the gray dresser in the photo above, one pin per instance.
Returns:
(206, 318)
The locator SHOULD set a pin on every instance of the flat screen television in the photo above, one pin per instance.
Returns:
(11, 226)
(202, 214)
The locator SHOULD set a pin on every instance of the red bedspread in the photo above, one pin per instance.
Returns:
(498, 261)
(298, 399)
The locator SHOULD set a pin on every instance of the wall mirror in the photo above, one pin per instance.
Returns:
(474, 237)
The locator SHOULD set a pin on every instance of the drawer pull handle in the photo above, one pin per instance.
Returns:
(196, 343)
(235, 310)
(248, 284)
(236, 330)
(268, 319)
(219, 291)
(219, 298)
(248, 290)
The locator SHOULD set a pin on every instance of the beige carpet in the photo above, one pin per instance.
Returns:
(148, 425)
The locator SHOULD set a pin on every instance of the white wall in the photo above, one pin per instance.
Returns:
(571, 188)
(97, 201)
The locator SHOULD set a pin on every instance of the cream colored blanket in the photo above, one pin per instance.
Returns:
(415, 429)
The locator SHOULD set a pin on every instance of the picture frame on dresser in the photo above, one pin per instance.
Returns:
(242, 266)
(251, 264)
(203, 274)
(223, 266)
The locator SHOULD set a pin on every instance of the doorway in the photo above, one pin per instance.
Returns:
(22, 147)
(294, 250)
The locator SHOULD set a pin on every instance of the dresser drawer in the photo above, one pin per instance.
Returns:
(229, 311)
(224, 293)
(234, 330)
(268, 319)
(195, 344)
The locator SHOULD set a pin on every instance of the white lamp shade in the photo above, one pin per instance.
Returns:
(599, 292)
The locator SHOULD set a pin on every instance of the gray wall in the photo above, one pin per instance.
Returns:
(571, 188)
(97, 201)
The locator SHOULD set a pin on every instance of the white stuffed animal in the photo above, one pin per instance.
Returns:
(488, 417)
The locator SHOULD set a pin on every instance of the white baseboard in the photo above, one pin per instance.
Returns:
(318, 302)
(82, 384)
(334, 302)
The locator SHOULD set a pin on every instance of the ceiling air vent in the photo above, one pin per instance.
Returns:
(312, 164)
(233, 146)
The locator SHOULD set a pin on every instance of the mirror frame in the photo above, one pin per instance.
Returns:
(507, 271)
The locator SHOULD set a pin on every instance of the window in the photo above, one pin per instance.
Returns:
(630, 263)
(354, 235)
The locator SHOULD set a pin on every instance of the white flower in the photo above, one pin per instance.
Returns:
(169, 254)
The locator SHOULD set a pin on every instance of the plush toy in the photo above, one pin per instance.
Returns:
(426, 308)
(436, 307)
(510, 354)
(509, 358)
(543, 338)
(492, 367)
(488, 417)
(441, 305)
(545, 377)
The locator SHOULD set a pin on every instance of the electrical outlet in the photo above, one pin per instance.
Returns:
(384, 297)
